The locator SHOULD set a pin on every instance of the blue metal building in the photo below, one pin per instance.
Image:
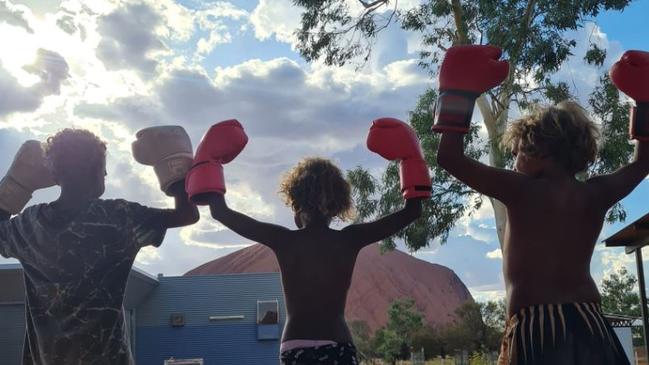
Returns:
(222, 319)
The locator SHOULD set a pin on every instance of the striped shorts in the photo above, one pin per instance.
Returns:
(560, 334)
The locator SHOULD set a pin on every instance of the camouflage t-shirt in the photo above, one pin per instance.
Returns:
(76, 268)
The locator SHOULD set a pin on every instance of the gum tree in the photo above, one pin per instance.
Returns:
(534, 37)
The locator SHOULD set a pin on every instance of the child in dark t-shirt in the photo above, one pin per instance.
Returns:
(77, 251)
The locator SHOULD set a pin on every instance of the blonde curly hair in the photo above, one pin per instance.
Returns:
(71, 152)
(562, 132)
(317, 187)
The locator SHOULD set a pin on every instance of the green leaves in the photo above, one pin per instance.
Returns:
(533, 36)
(405, 321)
(615, 148)
(451, 198)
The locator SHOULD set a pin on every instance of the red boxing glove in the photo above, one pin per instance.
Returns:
(396, 140)
(220, 145)
(466, 72)
(631, 76)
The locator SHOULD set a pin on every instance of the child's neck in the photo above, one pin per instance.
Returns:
(317, 223)
(554, 172)
(73, 198)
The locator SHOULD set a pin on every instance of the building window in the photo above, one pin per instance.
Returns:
(267, 312)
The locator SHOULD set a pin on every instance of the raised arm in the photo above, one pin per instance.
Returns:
(185, 212)
(631, 75)
(206, 182)
(26, 174)
(504, 185)
(611, 188)
(364, 234)
(169, 150)
(395, 140)
(267, 234)
(467, 72)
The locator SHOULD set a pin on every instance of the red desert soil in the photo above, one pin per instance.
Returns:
(378, 280)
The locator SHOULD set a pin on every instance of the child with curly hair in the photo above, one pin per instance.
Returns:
(553, 218)
(77, 251)
(316, 261)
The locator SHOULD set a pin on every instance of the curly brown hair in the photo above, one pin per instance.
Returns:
(317, 187)
(562, 132)
(72, 152)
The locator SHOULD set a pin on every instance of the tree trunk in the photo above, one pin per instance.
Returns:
(497, 159)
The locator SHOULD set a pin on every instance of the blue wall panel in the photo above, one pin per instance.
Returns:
(197, 298)
(216, 345)
(12, 333)
(200, 297)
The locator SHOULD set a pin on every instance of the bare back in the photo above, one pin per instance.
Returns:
(316, 264)
(553, 221)
(317, 268)
(549, 241)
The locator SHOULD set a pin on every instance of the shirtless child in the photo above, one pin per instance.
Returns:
(316, 261)
(77, 251)
(553, 219)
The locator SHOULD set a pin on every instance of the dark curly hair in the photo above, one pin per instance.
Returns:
(562, 132)
(317, 187)
(73, 152)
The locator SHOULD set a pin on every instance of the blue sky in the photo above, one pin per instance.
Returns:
(137, 64)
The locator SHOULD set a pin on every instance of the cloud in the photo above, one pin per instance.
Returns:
(279, 18)
(129, 39)
(15, 15)
(211, 19)
(495, 254)
(49, 67)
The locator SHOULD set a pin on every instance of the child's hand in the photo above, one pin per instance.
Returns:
(631, 75)
(177, 188)
(466, 72)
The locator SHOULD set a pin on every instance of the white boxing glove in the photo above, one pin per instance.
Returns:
(27, 173)
(168, 149)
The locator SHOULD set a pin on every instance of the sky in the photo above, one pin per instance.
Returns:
(115, 67)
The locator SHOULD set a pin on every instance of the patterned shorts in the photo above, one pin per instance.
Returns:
(338, 354)
(560, 334)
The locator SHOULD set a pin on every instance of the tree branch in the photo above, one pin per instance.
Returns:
(460, 24)
(373, 4)
(487, 115)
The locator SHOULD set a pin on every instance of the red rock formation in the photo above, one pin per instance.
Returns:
(378, 280)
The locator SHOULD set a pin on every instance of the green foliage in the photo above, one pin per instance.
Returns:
(533, 37)
(405, 322)
(362, 337)
(615, 147)
(480, 327)
(595, 55)
(480, 358)
(619, 294)
(450, 201)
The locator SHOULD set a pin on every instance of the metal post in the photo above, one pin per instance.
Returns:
(643, 299)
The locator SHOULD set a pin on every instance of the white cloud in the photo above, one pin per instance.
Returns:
(279, 18)
(129, 38)
(15, 15)
(217, 36)
(486, 295)
(496, 254)
(49, 68)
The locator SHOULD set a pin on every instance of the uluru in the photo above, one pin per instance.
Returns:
(378, 280)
